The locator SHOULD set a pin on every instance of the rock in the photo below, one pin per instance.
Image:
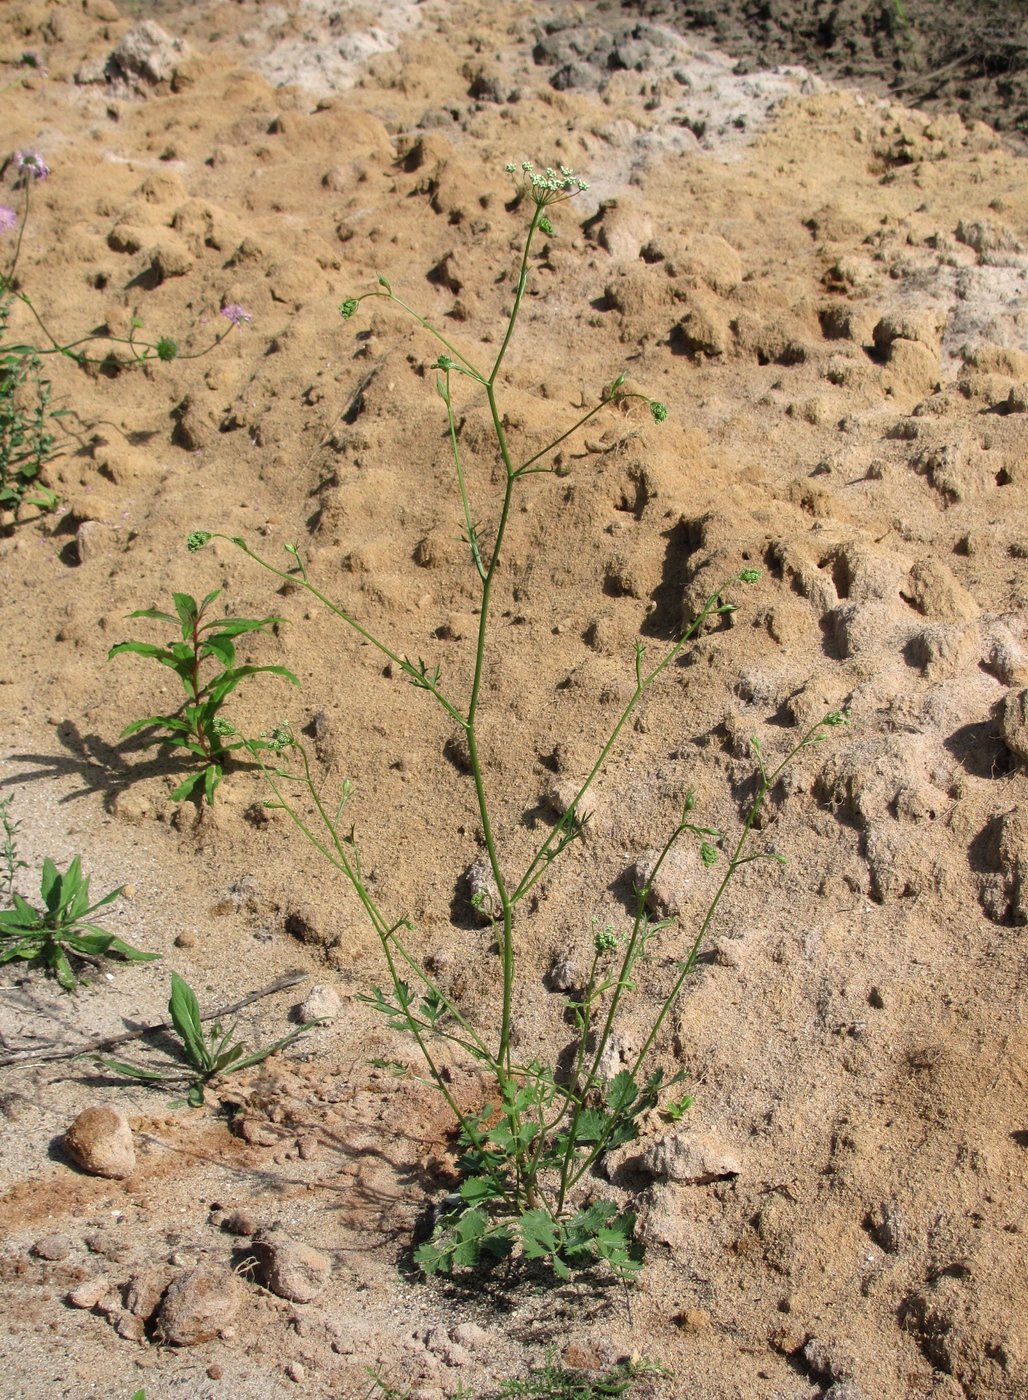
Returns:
(100, 1142)
(198, 1304)
(565, 974)
(94, 539)
(87, 1295)
(690, 1158)
(673, 883)
(887, 1227)
(52, 1248)
(239, 1222)
(146, 52)
(483, 894)
(562, 792)
(145, 1290)
(322, 1003)
(1013, 721)
(290, 1269)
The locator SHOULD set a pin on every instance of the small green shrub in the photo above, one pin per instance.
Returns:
(59, 934)
(206, 1055)
(198, 727)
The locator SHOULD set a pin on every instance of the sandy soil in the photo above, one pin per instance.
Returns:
(830, 292)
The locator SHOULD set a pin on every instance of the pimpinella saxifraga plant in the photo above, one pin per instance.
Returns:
(28, 441)
(198, 729)
(59, 933)
(527, 1156)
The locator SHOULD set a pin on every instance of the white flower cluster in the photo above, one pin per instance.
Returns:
(548, 188)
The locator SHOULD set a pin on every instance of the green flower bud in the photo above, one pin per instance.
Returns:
(545, 225)
(348, 308)
(166, 348)
(658, 410)
(197, 540)
(605, 941)
(708, 853)
(749, 576)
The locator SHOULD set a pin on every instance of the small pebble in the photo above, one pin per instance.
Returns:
(185, 940)
(321, 1003)
(296, 1372)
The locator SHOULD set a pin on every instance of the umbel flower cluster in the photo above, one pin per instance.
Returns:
(550, 187)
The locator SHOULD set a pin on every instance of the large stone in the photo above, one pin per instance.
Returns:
(198, 1304)
(1013, 721)
(100, 1142)
(291, 1269)
(690, 1158)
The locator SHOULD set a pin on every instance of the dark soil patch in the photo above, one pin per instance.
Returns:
(968, 56)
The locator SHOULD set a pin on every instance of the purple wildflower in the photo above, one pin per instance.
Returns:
(235, 313)
(8, 219)
(32, 163)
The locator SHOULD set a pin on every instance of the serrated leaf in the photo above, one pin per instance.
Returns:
(622, 1092)
(539, 1235)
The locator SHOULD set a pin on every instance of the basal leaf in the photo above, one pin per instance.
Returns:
(185, 1017)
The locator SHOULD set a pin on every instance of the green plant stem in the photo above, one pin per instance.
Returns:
(545, 853)
(686, 967)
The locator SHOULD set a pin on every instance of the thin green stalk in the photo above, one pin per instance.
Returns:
(537, 865)
(469, 524)
(526, 468)
(518, 295)
(303, 582)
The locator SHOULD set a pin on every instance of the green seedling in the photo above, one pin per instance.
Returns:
(59, 934)
(528, 1189)
(207, 1055)
(198, 728)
